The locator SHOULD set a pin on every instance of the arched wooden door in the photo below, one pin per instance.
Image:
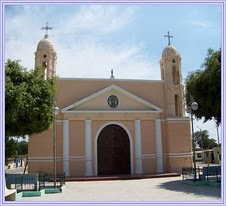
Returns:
(113, 151)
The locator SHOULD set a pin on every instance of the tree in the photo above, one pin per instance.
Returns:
(210, 143)
(10, 148)
(22, 148)
(202, 140)
(28, 100)
(13, 148)
(205, 87)
(201, 136)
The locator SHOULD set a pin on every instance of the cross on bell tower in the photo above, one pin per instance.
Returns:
(168, 36)
(47, 28)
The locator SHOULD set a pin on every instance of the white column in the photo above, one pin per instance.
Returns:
(66, 151)
(88, 148)
(159, 159)
(138, 150)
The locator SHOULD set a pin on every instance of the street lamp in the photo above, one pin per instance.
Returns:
(194, 106)
(201, 142)
(218, 141)
(55, 112)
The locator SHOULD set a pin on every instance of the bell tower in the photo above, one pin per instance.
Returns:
(45, 55)
(170, 65)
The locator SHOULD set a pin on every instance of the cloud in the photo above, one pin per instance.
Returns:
(96, 60)
(199, 24)
(80, 40)
(99, 19)
(200, 21)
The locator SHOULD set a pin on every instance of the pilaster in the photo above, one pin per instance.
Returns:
(138, 149)
(88, 148)
(159, 156)
(66, 150)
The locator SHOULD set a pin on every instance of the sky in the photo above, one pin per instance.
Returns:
(92, 39)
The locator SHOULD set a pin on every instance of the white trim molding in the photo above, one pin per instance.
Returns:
(148, 156)
(43, 159)
(77, 158)
(178, 119)
(111, 111)
(111, 80)
(166, 155)
(179, 154)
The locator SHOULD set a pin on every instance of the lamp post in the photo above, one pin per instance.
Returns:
(55, 112)
(201, 142)
(17, 153)
(194, 106)
(217, 126)
(218, 141)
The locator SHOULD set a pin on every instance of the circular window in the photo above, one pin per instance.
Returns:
(113, 101)
(44, 56)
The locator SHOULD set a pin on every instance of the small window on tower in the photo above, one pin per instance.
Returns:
(176, 105)
(175, 75)
(44, 56)
(173, 61)
(44, 64)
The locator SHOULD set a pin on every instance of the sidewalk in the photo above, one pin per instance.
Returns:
(168, 189)
(201, 164)
(15, 170)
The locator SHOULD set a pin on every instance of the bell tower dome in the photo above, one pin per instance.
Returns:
(170, 65)
(45, 55)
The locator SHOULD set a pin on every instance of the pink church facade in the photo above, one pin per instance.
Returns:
(115, 126)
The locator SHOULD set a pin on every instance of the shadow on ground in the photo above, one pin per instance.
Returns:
(179, 186)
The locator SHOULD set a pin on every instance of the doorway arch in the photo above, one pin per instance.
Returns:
(113, 150)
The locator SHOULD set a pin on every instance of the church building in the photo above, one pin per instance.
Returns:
(114, 126)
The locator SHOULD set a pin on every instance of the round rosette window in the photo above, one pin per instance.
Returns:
(113, 101)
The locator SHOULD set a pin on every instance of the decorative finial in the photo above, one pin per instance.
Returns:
(47, 28)
(168, 36)
(112, 75)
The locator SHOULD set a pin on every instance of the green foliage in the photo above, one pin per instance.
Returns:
(14, 148)
(202, 139)
(28, 100)
(10, 147)
(205, 87)
(22, 148)
(210, 143)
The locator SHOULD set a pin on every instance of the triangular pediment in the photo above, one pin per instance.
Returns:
(100, 102)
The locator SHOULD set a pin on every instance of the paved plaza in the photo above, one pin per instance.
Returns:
(150, 190)
(167, 189)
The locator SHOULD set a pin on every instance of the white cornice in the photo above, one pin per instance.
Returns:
(177, 119)
(112, 80)
(111, 112)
